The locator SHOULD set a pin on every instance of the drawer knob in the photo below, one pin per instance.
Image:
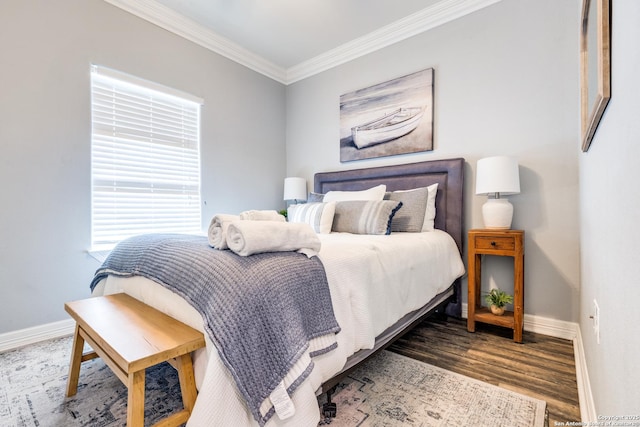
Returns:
(493, 243)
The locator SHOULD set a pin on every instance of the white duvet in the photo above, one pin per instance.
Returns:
(374, 280)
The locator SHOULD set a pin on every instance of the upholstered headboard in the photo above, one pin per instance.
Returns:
(448, 173)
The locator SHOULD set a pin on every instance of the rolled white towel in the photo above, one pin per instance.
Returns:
(254, 237)
(262, 215)
(217, 234)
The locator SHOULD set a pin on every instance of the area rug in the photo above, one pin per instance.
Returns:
(390, 390)
(394, 390)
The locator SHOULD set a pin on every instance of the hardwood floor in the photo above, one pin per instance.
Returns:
(542, 367)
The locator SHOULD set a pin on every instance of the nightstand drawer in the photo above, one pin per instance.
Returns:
(498, 243)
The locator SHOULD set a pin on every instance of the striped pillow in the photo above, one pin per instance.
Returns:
(365, 217)
(318, 215)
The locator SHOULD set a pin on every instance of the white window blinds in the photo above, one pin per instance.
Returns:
(145, 159)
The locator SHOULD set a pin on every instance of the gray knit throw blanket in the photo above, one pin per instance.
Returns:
(260, 311)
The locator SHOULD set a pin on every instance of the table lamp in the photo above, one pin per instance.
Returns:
(295, 189)
(497, 176)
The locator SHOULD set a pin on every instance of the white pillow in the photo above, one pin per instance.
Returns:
(430, 212)
(318, 215)
(373, 193)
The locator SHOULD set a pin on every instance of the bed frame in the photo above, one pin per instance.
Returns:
(449, 174)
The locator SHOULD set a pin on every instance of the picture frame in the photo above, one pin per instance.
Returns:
(387, 119)
(595, 66)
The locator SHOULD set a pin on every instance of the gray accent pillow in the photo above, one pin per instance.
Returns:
(365, 216)
(315, 197)
(414, 203)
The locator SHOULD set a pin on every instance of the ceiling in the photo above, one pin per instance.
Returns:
(288, 40)
(288, 32)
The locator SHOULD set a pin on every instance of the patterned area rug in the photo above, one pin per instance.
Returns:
(390, 390)
(394, 390)
(33, 383)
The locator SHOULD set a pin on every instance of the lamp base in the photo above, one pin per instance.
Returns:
(497, 214)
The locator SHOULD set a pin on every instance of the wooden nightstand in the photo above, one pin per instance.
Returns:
(501, 243)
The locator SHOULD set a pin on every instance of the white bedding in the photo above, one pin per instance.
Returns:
(374, 280)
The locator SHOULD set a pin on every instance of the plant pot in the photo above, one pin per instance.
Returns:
(498, 311)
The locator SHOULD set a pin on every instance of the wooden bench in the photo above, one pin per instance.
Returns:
(131, 336)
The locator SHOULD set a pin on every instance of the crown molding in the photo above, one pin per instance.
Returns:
(419, 22)
(178, 24)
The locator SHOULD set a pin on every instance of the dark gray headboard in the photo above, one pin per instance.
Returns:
(448, 173)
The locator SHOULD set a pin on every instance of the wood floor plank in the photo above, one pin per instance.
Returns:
(484, 370)
(542, 367)
(524, 364)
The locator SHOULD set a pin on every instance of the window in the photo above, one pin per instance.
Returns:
(145, 159)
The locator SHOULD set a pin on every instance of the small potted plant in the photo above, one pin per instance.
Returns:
(497, 299)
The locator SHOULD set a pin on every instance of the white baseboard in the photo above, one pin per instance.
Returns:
(568, 331)
(585, 397)
(551, 327)
(537, 324)
(15, 339)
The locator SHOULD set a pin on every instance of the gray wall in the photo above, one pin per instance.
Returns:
(609, 213)
(506, 82)
(45, 137)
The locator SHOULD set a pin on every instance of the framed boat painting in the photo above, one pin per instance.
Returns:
(386, 119)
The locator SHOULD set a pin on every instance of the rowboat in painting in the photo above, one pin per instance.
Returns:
(388, 127)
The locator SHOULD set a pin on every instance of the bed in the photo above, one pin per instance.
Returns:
(372, 305)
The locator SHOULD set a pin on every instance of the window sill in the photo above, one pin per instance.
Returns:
(99, 255)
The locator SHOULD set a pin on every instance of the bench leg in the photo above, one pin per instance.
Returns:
(74, 365)
(135, 402)
(187, 381)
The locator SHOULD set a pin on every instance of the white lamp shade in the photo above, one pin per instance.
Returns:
(497, 174)
(295, 188)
